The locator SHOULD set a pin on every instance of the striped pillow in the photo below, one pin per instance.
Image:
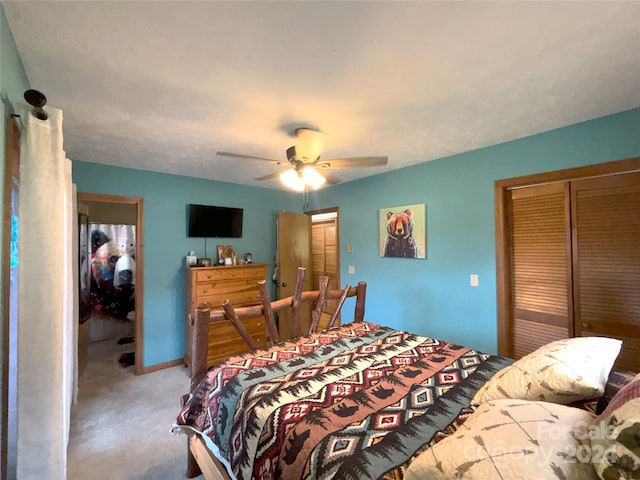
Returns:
(618, 379)
(615, 440)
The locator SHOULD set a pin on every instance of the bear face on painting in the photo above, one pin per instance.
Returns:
(399, 241)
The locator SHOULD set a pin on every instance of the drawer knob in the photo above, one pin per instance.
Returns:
(586, 325)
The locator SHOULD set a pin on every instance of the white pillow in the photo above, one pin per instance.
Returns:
(511, 439)
(563, 371)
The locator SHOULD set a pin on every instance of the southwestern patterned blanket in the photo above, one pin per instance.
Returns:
(356, 402)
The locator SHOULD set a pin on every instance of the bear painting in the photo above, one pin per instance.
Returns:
(401, 232)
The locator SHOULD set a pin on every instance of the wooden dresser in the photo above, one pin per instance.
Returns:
(210, 286)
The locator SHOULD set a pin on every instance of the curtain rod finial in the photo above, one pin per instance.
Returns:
(37, 100)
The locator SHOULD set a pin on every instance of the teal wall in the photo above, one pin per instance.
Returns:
(433, 296)
(430, 296)
(13, 83)
(166, 243)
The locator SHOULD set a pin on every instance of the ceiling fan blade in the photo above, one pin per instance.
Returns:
(353, 162)
(331, 180)
(269, 176)
(250, 157)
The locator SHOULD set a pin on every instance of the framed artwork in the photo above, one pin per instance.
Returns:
(403, 231)
(226, 255)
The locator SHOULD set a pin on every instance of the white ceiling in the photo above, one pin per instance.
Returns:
(163, 85)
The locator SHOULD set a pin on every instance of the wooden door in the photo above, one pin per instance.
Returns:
(541, 267)
(294, 250)
(606, 259)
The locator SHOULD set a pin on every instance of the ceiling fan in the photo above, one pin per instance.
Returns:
(306, 169)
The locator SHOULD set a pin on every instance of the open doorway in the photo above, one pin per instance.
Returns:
(111, 256)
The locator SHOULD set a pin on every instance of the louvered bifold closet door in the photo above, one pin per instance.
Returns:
(541, 275)
(606, 252)
(324, 250)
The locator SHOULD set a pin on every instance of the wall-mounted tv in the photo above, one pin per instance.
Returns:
(211, 221)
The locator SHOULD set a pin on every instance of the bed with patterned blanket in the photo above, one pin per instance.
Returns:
(357, 401)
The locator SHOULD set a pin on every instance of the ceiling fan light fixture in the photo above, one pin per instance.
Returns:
(292, 180)
(299, 179)
(312, 177)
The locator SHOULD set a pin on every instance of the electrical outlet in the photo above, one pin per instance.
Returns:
(473, 280)
(351, 269)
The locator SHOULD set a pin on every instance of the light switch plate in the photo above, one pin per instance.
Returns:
(473, 280)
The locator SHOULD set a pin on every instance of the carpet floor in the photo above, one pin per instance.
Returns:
(120, 426)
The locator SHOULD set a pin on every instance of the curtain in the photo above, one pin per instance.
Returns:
(46, 349)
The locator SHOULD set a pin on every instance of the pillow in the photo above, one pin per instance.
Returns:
(563, 371)
(617, 380)
(514, 439)
(615, 439)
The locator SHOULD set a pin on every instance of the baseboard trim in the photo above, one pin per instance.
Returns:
(162, 366)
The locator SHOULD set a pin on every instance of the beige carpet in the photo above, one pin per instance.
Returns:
(120, 427)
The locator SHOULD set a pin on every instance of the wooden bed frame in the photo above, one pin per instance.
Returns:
(199, 459)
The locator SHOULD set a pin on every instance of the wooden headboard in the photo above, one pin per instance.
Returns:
(204, 316)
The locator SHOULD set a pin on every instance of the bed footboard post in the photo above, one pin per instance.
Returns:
(200, 346)
(198, 370)
(361, 291)
(193, 469)
(322, 300)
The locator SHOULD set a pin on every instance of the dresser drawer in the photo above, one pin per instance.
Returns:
(246, 297)
(224, 331)
(224, 340)
(220, 351)
(225, 287)
(207, 275)
(244, 272)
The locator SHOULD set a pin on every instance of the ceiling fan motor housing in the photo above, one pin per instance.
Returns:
(294, 155)
(291, 153)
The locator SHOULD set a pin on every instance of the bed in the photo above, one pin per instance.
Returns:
(362, 400)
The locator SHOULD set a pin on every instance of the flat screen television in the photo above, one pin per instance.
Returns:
(211, 221)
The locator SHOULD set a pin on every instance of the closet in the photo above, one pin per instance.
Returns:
(324, 255)
(569, 258)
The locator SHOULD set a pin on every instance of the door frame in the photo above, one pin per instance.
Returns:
(504, 268)
(9, 427)
(139, 204)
